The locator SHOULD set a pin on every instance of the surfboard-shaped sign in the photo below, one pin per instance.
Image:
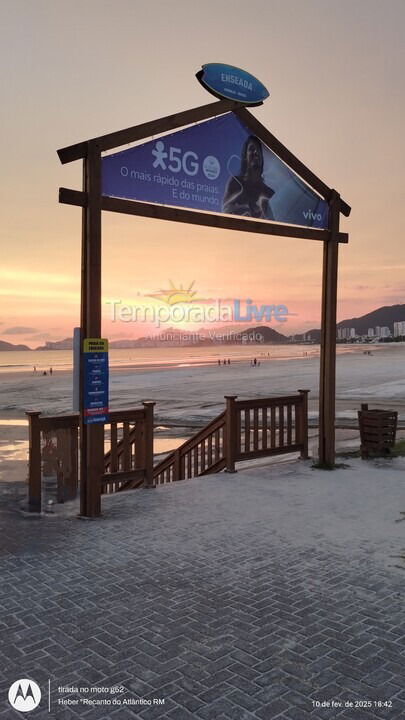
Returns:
(232, 83)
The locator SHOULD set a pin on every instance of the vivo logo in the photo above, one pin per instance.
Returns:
(309, 215)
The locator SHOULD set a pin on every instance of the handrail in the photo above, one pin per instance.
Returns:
(267, 402)
(202, 434)
(119, 446)
(181, 463)
(247, 429)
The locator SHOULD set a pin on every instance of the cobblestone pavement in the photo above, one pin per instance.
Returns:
(206, 596)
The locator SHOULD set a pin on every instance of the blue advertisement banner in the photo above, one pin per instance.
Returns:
(95, 395)
(216, 166)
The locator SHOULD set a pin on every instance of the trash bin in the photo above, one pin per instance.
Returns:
(378, 430)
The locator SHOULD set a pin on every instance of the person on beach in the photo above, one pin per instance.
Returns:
(247, 194)
(50, 371)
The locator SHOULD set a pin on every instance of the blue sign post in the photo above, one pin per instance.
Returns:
(95, 395)
(232, 83)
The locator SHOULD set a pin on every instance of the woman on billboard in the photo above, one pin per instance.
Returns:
(247, 193)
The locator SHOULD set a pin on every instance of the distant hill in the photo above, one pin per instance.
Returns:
(313, 335)
(173, 336)
(384, 317)
(9, 346)
(260, 334)
(66, 344)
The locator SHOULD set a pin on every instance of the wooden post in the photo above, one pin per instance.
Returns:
(148, 444)
(113, 448)
(83, 333)
(327, 384)
(304, 423)
(63, 464)
(176, 466)
(140, 459)
(73, 461)
(230, 433)
(34, 462)
(91, 436)
(126, 447)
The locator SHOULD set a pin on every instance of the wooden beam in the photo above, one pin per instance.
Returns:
(195, 217)
(327, 382)
(154, 127)
(68, 196)
(34, 463)
(122, 476)
(291, 160)
(83, 335)
(230, 433)
(92, 435)
(148, 430)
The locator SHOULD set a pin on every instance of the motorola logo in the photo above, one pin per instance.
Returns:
(24, 695)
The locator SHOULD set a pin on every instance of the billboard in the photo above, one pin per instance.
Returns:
(217, 166)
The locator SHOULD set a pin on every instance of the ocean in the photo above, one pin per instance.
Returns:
(42, 360)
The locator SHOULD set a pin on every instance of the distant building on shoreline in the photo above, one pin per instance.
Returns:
(374, 334)
(346, 333)
(399, 329)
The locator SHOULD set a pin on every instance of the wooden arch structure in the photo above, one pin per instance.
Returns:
(92, 201)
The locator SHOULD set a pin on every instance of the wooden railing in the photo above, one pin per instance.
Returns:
(263, 427)
(247, 429)
(129, 461)
(54, 452)
(201, 454)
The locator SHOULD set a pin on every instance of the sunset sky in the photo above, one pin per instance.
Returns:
(71, 71)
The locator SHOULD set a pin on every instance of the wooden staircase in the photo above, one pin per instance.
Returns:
(246, 430)
(201, 454)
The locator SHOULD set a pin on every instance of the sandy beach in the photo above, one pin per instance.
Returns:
(188, 396)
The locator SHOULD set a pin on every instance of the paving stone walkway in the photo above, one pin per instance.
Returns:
(206, 596)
